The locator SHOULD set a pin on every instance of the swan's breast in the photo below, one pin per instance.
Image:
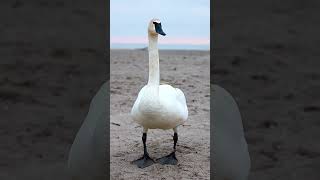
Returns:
(162, 110)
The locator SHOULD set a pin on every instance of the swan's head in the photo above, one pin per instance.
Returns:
(155, 27)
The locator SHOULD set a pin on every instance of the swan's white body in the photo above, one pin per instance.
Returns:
(231, 156)
(88, 154)
(158, 106)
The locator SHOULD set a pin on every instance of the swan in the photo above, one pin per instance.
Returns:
(88, 154)
(231, 156)
(158, 106)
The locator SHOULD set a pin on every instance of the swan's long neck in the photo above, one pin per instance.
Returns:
(154, 72)
(150, 101)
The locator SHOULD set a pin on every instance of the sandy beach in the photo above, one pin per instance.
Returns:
(187, 70)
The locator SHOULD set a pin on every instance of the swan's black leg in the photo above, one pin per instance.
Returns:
(175, 140)
(171, 158)
(145, 160)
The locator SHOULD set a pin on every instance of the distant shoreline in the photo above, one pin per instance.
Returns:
(161, 46)
(177, 50)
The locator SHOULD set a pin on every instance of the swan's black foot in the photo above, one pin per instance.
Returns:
(169, 159)
(144, 161)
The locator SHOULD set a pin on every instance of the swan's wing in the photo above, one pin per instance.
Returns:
(183, 101)
(87, 156)
(180, 96)
(231, 154)
(137, 101)
(169, 93)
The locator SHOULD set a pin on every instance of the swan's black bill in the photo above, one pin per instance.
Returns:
(158, 28)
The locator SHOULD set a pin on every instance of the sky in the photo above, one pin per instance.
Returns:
(185, 22)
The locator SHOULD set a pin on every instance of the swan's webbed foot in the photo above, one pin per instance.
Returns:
(144, 161)
(169, 159)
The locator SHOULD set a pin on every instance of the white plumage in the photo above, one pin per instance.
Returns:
(162, 107)
(158, 106)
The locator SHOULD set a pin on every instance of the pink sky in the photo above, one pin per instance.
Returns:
(166, 40)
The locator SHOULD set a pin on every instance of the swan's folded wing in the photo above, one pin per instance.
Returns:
(182, 99)
(180, 96)
(134, 109)
(172, 96)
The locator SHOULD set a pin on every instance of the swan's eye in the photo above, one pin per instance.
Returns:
(156, 23)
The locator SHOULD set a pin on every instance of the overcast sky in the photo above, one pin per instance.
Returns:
(184, 21)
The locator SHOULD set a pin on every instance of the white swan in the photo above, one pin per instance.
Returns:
(158, 106)
(231, 156)
(88, 154)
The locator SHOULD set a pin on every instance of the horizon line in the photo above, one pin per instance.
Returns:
(164, 41)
